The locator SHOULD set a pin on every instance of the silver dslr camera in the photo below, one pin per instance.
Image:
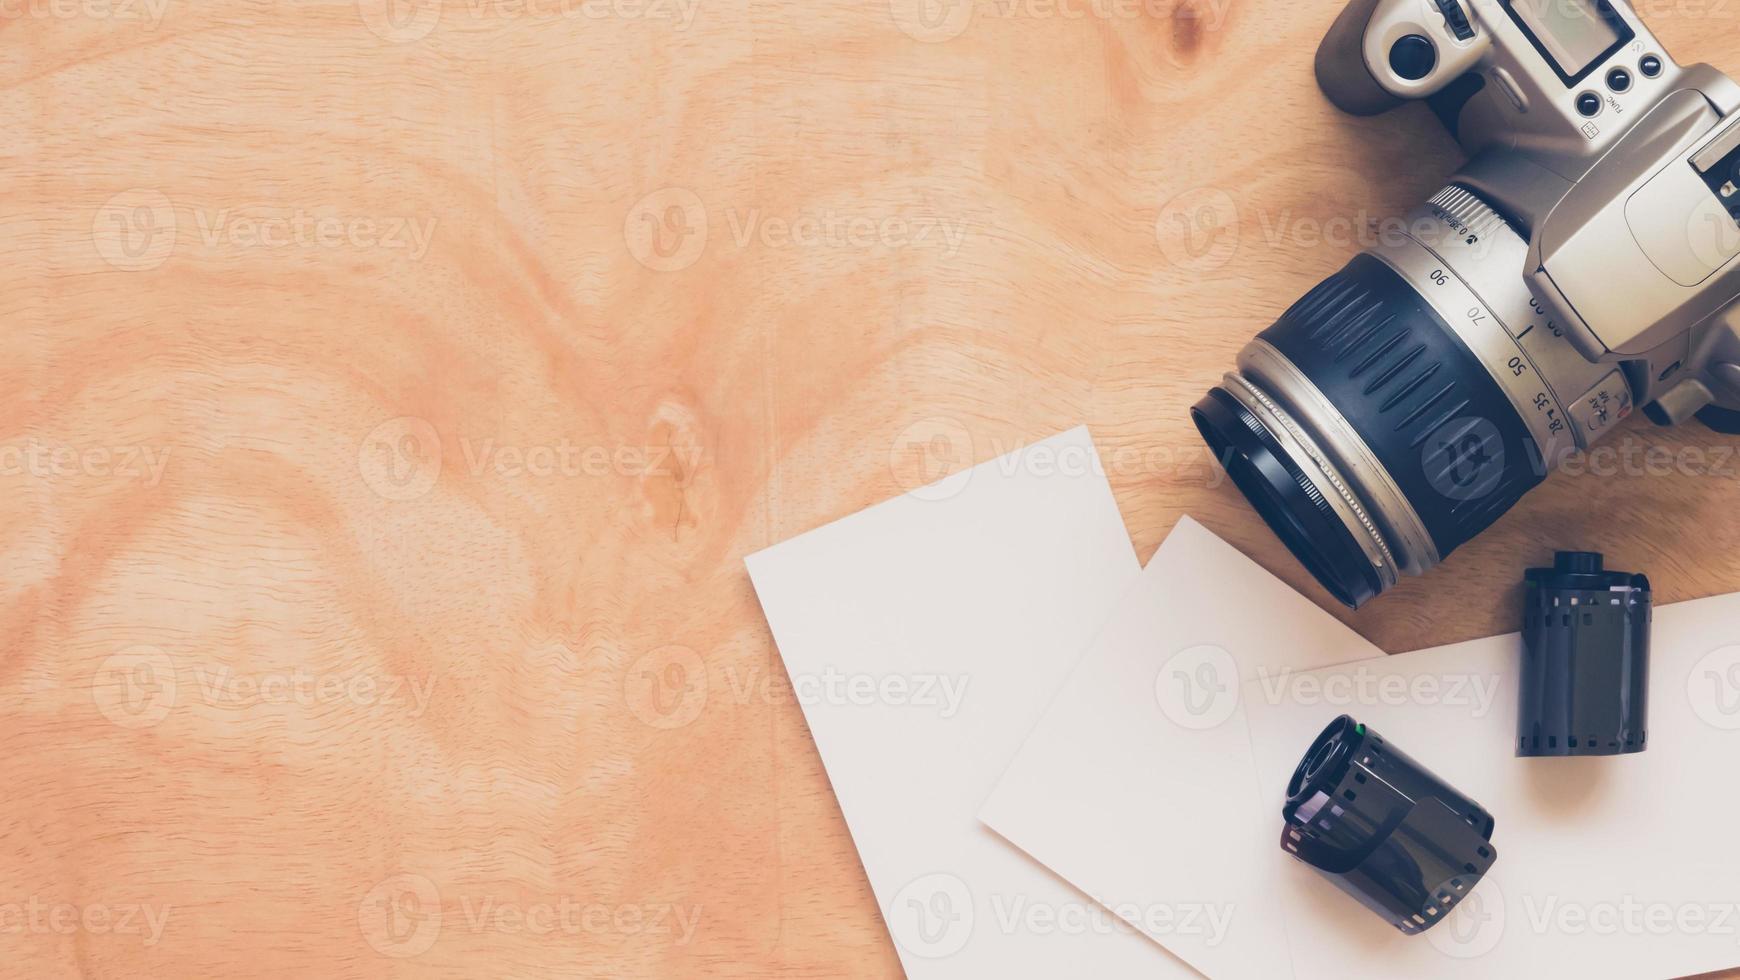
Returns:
(1584, 262)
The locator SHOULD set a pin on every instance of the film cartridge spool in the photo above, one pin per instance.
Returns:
(1584, 686)
(1383, 828)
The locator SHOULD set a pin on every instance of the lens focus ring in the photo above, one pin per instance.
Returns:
(1424, 404)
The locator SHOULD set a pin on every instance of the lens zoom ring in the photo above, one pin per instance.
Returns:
(1423, 403)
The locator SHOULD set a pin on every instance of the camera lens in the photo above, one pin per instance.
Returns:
(1402, 405)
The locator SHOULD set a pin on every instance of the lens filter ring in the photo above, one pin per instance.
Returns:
(1294, 438)
(1270, 467)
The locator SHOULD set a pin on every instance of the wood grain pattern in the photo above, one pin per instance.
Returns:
(395, 386)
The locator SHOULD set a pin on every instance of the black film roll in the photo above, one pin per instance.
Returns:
(1384, 828)
(1584, 685)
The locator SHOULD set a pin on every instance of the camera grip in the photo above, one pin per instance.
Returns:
(1341, 70)
(1380, 53)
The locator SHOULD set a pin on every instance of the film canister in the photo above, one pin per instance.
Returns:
(1584, 687)
(1383, 828)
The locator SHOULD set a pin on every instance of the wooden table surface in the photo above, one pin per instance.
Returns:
(394, 389)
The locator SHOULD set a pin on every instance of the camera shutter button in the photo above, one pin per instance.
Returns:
(1413, 57)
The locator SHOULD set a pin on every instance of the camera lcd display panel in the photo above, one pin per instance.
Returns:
(1575, 34)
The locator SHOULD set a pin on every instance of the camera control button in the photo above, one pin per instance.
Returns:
(1456, 19)
(1507, 83)
(1619, 80)
(1650, 66)
(1589, 104)
(1413, 57)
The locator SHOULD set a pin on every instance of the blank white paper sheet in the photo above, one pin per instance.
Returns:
(923, 638)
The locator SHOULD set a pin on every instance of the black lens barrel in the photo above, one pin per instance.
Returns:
(1384, 828)
(1427, 409)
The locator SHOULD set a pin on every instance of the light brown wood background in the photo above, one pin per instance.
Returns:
(391, 390)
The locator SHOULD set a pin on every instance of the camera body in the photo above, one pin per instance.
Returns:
(1588, 138)
(1584, 262)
